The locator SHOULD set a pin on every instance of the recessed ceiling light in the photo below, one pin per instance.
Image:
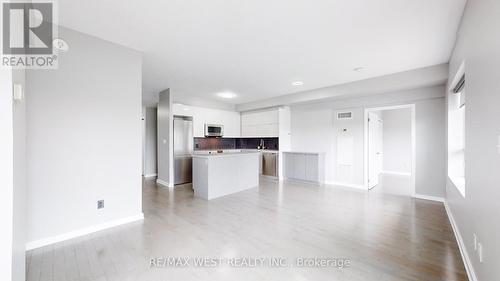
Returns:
(226, 95)
(358, 69)
(298, 83)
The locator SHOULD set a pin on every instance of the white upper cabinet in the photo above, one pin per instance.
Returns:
(264, 123)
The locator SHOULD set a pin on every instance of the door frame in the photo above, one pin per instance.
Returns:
(413, 141)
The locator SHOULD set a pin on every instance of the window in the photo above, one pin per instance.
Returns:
(456, 132)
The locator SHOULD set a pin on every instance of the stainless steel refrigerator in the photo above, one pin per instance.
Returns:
(183, 149)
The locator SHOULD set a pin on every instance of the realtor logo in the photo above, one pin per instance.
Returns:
(28, 31)
(35, 21)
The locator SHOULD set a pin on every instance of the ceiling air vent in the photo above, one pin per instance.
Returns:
(344, 115)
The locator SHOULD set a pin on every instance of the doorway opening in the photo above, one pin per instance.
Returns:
(389, 154)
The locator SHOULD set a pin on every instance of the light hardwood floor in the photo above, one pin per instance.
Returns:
(386, 237)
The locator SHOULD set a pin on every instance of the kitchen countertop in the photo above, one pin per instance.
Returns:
(262, 150)
(224, 154)
(234, 151)
(304, 152)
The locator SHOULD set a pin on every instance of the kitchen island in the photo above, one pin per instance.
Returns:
(220, 174)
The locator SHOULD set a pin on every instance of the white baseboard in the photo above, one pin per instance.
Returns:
(461, 245)
(84, 231)
(164, 183)
(396, 173)
(150, 175)
(356, 186)
(271, 178)
(301, 181)
(431, 198)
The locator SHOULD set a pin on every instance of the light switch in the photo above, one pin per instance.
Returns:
(18, 92)
(164, 141)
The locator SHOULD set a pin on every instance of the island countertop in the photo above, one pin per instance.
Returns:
(224, 154)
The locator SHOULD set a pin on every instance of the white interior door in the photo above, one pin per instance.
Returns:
(375, 145)
(143, 124)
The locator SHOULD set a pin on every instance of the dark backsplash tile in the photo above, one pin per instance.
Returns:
(214, 143)
(234, 143)
(250, 143)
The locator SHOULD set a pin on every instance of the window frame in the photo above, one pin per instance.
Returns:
(456, 125)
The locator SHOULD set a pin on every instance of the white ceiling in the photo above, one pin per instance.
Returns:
(257, 48)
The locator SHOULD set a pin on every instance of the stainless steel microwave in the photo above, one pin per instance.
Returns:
(213, 130)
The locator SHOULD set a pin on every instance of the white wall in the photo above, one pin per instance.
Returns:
(430, 147)
(83, 139)
(397, 140)
(202, 115)
(19, 219)
(12, 178)
(348, 142)
(150, 142)
(6, 175)
(478, 45)
(314, 128)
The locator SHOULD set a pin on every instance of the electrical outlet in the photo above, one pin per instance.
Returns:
(480, 252)
(475, 241)
(100, 204)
